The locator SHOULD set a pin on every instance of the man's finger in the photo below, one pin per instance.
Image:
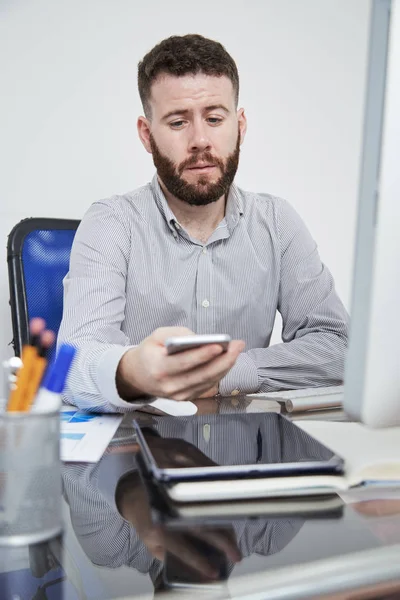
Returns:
(162, 333)
(185, 361)
(209, 373)
(189, 360)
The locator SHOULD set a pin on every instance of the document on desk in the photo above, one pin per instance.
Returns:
(84, 435)
(372, 457)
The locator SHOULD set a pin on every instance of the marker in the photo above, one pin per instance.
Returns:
(48, 398)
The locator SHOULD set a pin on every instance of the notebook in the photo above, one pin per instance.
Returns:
(372, 456)
(372, 459)
(274, 508)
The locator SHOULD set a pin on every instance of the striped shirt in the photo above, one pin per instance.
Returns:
(134, 268)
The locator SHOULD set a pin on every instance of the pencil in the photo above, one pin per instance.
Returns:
(29, 354)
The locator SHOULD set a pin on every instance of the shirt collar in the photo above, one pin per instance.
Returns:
(162, 204)
(234, 206)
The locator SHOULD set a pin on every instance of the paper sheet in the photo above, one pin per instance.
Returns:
(85, 436)
(357, 444)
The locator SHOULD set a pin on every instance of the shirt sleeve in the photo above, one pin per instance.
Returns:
(94, 306)
(105, 536)
(315, 322)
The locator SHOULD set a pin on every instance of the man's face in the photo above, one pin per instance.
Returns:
(194, 135)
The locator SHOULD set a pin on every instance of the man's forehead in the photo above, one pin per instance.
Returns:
(190, 88)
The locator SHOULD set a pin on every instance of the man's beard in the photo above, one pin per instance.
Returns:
(203, 192)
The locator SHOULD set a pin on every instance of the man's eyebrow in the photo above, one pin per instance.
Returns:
(177, 111)
(186, 111)
(216, 107)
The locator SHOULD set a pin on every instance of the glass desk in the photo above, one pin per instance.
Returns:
(114, 541)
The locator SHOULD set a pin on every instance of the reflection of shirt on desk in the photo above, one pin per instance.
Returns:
(109, 540)
(235, 439)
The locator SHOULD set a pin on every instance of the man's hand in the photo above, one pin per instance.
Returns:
(211, 392)
(133, 504)
(148, 369)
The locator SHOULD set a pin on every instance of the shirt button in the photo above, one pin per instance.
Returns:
(235, 392)
(204, 251)
(206, 432)
(205, 303)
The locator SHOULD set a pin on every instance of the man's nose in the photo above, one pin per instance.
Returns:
(199, 140)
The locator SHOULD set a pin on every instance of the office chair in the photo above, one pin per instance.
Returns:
(38, 253)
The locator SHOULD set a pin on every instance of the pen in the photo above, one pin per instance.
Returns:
(29, 354)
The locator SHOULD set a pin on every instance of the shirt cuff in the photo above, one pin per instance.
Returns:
(107, 374)
(241, 379)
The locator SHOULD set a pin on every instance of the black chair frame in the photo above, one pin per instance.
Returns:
(18, 301)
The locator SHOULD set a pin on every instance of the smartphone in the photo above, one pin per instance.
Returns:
(186, 342)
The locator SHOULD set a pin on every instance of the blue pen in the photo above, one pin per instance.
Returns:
(48, 398)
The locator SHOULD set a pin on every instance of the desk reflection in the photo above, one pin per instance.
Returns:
(110, 514)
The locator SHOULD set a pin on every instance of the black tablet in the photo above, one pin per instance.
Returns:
(231, 447)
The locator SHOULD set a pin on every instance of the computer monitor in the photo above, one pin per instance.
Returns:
(372, 375)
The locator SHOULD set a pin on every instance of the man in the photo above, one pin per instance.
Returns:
(191, 252)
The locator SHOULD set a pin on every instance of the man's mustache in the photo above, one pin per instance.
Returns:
(204, 157)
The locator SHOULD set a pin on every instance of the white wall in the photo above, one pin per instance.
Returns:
(68, 106)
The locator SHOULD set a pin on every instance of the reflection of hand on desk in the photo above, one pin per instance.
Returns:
(206, 406)
(382, 517)
(378, 508)
(133, 504)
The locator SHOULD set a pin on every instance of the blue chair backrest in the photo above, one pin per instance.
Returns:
(45, 260)
(42, 253)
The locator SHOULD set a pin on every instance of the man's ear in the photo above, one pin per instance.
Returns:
(143, 127)
(242, 120)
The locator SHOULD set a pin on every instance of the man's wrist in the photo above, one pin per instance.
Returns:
(126, 388)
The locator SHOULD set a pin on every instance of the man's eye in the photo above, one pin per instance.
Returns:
(177, 124)
(214, 120)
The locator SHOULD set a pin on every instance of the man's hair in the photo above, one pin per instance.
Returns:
(183, 55)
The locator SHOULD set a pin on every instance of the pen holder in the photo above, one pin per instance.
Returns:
(30, 477)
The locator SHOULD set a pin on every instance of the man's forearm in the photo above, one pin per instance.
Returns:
(126, 388)
(314, 360)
